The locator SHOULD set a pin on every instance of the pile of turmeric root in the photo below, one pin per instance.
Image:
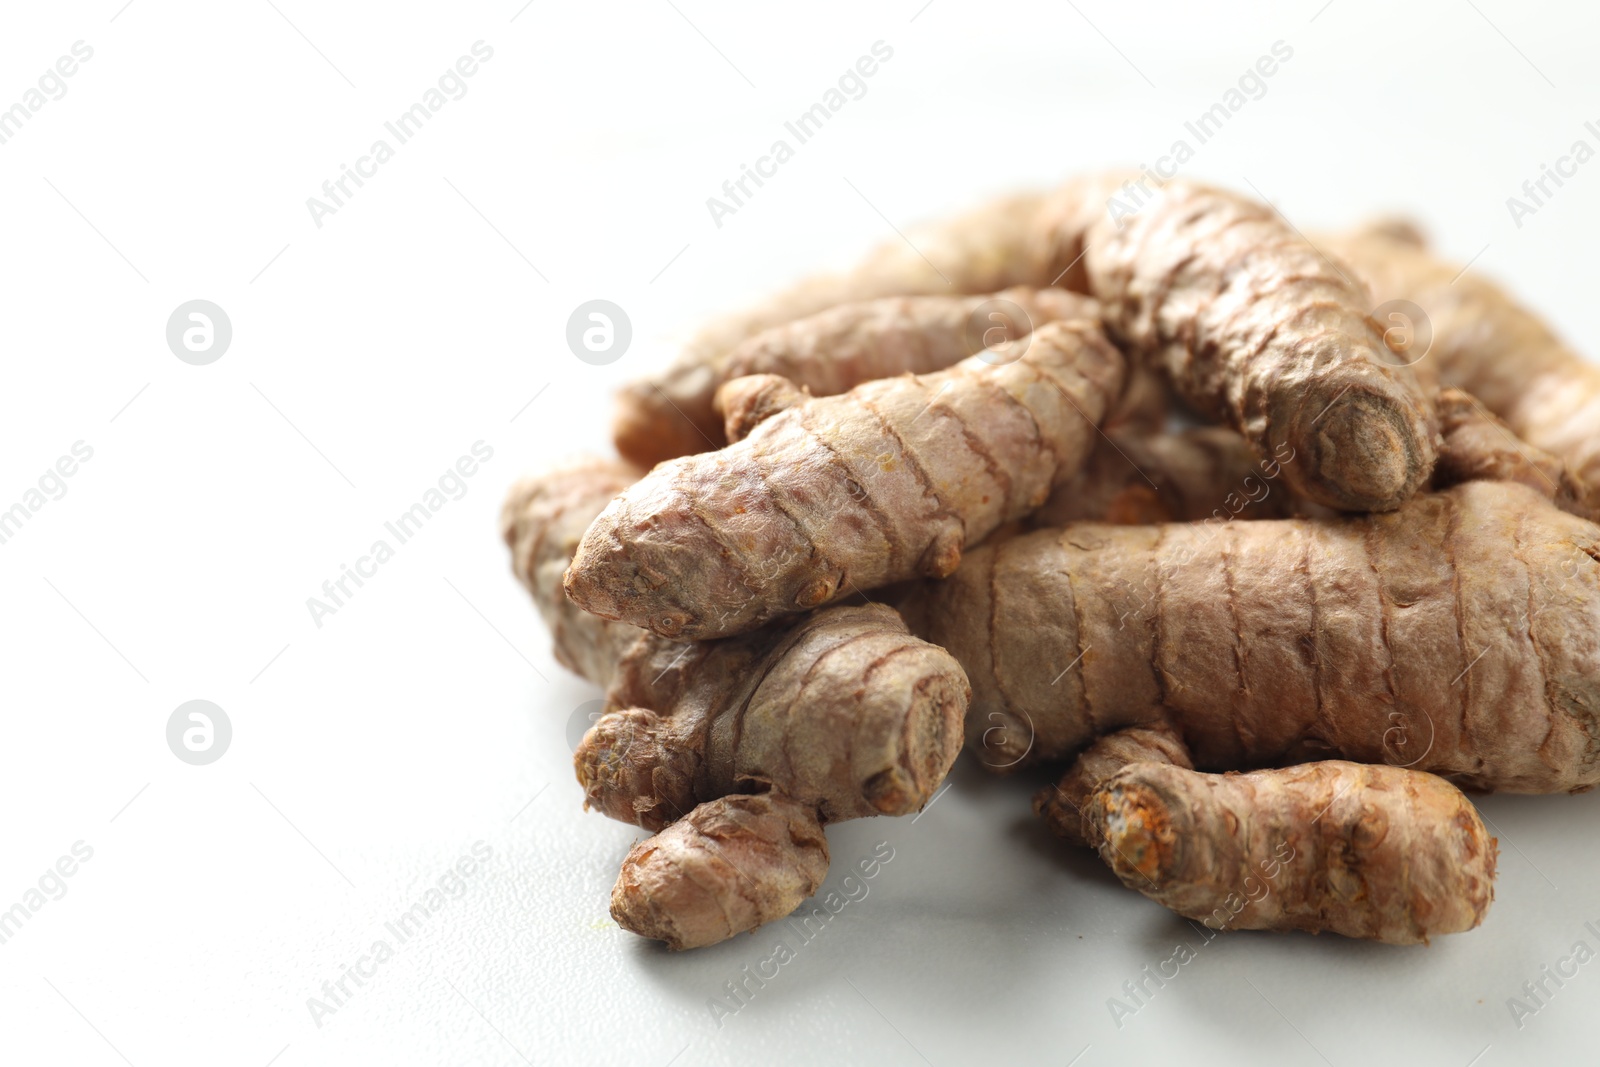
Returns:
(940, 501)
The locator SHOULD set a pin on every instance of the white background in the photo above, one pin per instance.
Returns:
(368, 354)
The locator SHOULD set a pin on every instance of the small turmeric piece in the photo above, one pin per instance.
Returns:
(1378, 852)
(1065, 805)
(1361, 850)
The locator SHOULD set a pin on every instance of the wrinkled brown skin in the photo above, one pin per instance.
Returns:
(836, 350)
(1484, 342)
(1064, 806)
(1251, 324)
(1459, 635)
(729, 866)
(542, 521)
(844, 494)
(747, 402)
(1361, 850)
(1138, 475)
(994, 247)
(1480, 447)
(1376, 852)
(841, 709)
(1258, 330)
(736, 751)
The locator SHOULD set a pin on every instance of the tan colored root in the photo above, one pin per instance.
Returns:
(843, 494)
(1457, 636)
(1253, 326)
(842, 710)
(1484, 342)
(1065, 806)
(837, 715)
(1146, 402)
(542, 521)
(1256, 329)
(747, 402)
(836, 350)
(1480, 447)
(994, 247)
(1141, 475)
(729, 866)
(1137, 475)
(1366, 851)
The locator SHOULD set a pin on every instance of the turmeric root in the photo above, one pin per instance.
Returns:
(842, 709)
(1255, 328)
(1457, 635)
(843, 494)
(1367, 851)
(736, 751)
(729, 866)
(1480, 447)
(986, 250)
(1252, 325)
(1065, 806)
(541, 523)
(1139, 476)
(1378, 852)
(1487, 344)
(836, 350)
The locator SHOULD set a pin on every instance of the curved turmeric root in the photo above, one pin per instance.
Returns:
(1480, 447)
(994, 247)
(1492, 347)
(1362, 850)
(843, 494)
(1256, 329)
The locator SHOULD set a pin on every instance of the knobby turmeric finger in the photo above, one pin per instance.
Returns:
(841, 494)
(1459, 635)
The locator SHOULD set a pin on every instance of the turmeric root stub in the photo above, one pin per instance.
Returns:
(1361, 850)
